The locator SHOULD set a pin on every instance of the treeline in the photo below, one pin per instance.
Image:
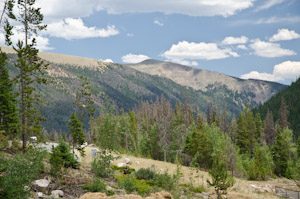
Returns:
(291, 96)
(249, 146)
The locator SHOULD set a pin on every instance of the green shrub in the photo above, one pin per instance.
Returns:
(142, 187)
(145, 174)
(96, 186)
(61, 157)
(101, 165)
(130, 184)
(127, 182)
(164, 181)
(18, 171)
(197, 189)
(121, 169)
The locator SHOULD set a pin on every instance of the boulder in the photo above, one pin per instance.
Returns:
(57, 193)
(126, 161)
(41, 185)
(121, 164)
(39, 195)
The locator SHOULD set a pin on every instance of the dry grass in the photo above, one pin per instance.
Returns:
(242, 189)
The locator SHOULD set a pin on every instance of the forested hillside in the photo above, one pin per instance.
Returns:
(124, 87)
(291, 97)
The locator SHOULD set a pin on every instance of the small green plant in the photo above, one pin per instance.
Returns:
(61, 157)
(19, 171)
(101, 164)
(164, 181)
(130, 184)
(127, 182)
(145, 174)
(197, 189)
(96, 186)
(121, 169)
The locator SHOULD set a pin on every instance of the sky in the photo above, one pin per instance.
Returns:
(258, 39)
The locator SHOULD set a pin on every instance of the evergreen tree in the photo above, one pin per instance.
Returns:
(269, 129)
(283, 112)
(245, 136)
(284, 150)
(76, 133)
(29, 64)
(8, 114)
(259, 130)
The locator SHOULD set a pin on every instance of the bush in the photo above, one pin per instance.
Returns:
(19, 171)
(61, 157)
(164, 181)
(130, 184)
(121, 169)
(96, 186)
(127, 182)
(101, 165)
(145, 174)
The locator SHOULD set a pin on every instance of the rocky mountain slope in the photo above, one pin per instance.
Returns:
(125, 86)
(258, 91)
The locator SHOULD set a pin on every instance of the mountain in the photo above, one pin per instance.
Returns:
(291, 96)
(257, 91)
(125, 87)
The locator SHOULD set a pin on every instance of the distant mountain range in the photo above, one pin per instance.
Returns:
(126, 85)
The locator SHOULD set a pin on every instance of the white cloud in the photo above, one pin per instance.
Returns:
(75, 29)
(270, 20)
(284, 34)
(133, 59)
(188, 52)
(243, 47)
(268, 4)
(43, 43)
(130, 35)
(267, 49)
(55, 10)
(157, 22)
(58, 9)
(107, 60)
(235, 40)
(283, 71)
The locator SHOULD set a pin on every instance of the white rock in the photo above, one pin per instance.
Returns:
(126, 160)
(39, 194)
(108, 188)
(137, 162)
(26, 188)
(121, 164)
(41, 185)
(57, 193)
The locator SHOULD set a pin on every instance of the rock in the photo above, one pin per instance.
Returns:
(121, 164)
(126, 161)
(41, 185)
(98, 195)
(108, 188)
(120, 191)
(137, 162)
(203, 195)
(57, 193)
(26, 188)
(39, 194)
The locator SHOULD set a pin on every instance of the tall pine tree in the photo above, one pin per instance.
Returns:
(8, 114)
(30, 66)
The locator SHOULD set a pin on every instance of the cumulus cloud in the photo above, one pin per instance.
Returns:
(283, 71)
(284, 34)
(186, 52)
(55, 10)
(243, 47)
(267, 49)
(235, 40)
(81, 8)
(268, 4)
(133, 59)
(43, 43)
(157, 22)
(75, 29)
(107, 60)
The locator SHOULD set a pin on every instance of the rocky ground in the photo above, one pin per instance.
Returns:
(69, 185)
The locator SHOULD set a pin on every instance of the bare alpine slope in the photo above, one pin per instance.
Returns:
(203, 80)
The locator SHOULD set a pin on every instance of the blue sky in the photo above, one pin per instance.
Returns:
(243, 38)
